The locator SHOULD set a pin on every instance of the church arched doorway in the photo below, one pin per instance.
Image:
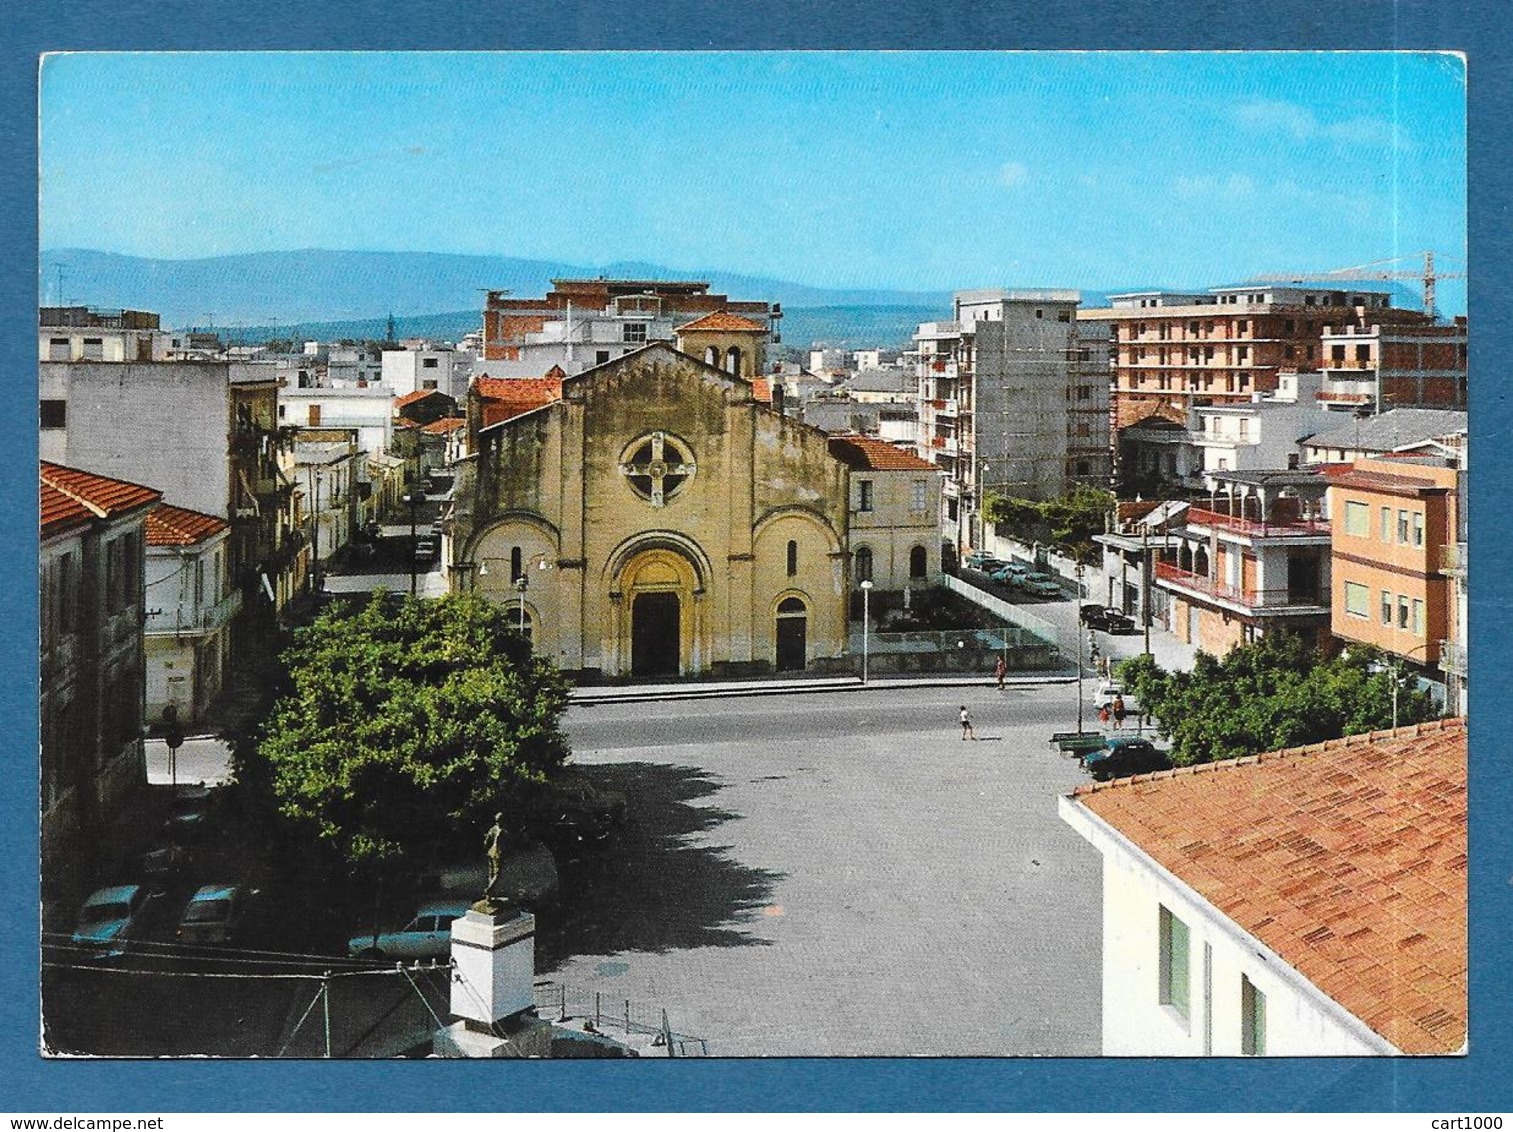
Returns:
(792, 635)
(655, 633)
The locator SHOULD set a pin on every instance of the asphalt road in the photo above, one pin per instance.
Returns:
(839, 874)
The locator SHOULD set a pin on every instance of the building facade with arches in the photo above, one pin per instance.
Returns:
(653, 519)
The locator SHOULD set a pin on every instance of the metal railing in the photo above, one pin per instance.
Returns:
(1292, 528)
(562, 1004)
(1253, 599)
(1038, 629)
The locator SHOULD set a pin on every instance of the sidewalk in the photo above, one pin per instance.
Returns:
(637, 693)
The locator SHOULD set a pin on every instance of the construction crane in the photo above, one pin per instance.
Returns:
(1428, 276)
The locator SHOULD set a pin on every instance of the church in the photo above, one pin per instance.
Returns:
(653, 516)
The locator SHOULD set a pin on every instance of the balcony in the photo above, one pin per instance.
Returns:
(1251, 602)
(190, 622)
(946, 407)
(1454, 558)
(1257, 528)
(1453, 659)
(946, 444)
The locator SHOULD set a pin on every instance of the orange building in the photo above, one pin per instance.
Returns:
(1393, 519)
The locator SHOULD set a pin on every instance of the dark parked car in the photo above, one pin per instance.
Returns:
(1123, 755)
(1109, 620)
(573, 814)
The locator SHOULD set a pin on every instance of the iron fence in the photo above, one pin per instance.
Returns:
(562, 1004)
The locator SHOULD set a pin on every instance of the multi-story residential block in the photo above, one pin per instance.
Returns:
(328, 466)
(205, 433)
(1396, 522)
(190, 606)
(1173, 350)
(587, 322)
(895, 513)
(370, 410)
(424, 366)
(1250, 909)
(1255, 560)
(1013, 399)
(360, 365)
(1380, 366)
(1399, 431)
(75, 334)
(92, 571)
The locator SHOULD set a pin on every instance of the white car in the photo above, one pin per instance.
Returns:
(1104, 697)
(108, 918)
(427, 936)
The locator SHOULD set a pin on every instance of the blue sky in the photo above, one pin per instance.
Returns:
(909, 170)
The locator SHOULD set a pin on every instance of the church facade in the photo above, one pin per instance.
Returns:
(649, 518)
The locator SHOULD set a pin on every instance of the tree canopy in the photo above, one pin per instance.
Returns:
(1279, 692)
(409, 724)
(1068, 523)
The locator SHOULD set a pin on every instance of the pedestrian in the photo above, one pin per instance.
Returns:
(1119, 711)
(1000, 670)
(1103, 715)
(966, 725)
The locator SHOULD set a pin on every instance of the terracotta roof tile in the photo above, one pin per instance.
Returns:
(1365, 896)
(168, 525)
(445, 425)
(868, 454)
(71, 497)
(418, 395)
(722, 321)
(509, 397)
(761, 390)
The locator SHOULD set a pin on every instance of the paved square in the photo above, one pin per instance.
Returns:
(840, 875)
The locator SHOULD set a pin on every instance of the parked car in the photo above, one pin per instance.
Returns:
(981, 560)
(213, 915)
(1123, 755)
(1011, 574)
(1041, 585)
(189, 818)
(1107, 690)
(109, 918)
(428, 935)
(574, 814)
(1105, 618)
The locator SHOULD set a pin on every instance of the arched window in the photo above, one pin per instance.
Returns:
(733, 360)
(712, 356)
(790, 605)
(793, 558)
(919, 563)
(864, 564)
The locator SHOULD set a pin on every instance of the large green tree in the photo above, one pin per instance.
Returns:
(409, 724)
(1279, 692)
(1068, 523)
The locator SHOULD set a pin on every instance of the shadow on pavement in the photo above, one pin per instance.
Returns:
(650, 889)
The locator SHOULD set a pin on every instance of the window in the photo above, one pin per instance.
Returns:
(1402, 526)
(919, 492)
(428, 363)
(1357, 599)
(1064, 316)
(1083, 468)
(864, 564)
(1417, 623)
(600, 357)
(54, 414)
(1362, 353)
(864, 495)
(515, 564)
(1402, 611)
(1252, 1019)
(793, 558)
(1039, 313)
(1386, 524)
(428, 383)
(1418, 528)
(1337, 353)
(1357, 519)
(1173, 987)
(1386, 607)
(919, 562)
(1288, 326)
(633, 332)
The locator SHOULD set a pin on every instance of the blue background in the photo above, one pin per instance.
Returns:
(1478, 1082)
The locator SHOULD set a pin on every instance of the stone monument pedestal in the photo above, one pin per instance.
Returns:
(493, 986)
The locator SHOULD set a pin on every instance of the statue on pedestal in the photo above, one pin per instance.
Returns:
(492, 901)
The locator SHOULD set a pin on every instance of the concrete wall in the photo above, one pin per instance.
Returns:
(1021, 406)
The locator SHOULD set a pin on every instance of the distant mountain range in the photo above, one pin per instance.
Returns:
(335, 294)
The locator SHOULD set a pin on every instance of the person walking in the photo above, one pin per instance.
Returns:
(966, 725)
(1000, 670)
(1119, 711)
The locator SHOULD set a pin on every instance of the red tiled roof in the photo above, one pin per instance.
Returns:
(509, 397)
(418, 395)
(761, 390)
(722, 320)
(1346, 858)
(445, 425)
(868, 454)
(70, 497)
(168, 525)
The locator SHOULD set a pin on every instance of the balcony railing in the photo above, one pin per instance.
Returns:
(203, 620)
(1344, 398)
(1452, 658)
(1250, 599)
(1454, 558)
(1256, 528)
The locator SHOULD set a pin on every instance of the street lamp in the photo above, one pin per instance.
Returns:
(522, 584)
(412, 500)
(315, 533)
(866, 612)
(1397, 671)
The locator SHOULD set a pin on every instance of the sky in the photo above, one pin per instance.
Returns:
(923, 171)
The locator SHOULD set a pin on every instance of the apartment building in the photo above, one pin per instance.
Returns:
(1379, 366)
(581, 323)
(1397, 528)
(1255, 560)
(1172, 350)
(1013, 399)
(423, 366)
(74, 334)
(895, 513)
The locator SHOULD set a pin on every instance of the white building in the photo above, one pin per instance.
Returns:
(87, 334)
(423, 367)
(1395, 431)
(190, 605)
(370, 410)
(327, 473)
(1287, 905)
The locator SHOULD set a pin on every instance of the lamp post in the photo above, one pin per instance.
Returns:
(866, 619)
(412, 500)
(1077, 632)
(1145, 583)
(315, 533)
(1397, 671)
(522, 584)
